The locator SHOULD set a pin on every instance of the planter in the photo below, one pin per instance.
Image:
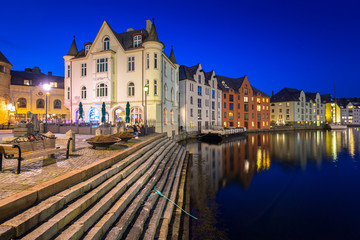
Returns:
(101, 144)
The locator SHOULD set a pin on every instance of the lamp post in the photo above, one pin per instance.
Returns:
(47, 88)
(146, 90)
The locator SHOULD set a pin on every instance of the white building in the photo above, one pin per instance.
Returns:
(200, 99)
(350, 113)
(114, 69)
(294, 107)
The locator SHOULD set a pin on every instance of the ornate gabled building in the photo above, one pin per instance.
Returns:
(243, 104)
(114, 69)
(295, 107)
(350, 111)
(200, 99)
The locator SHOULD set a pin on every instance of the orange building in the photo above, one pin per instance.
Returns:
(243, 105)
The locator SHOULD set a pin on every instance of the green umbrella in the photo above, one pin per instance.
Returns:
(103, 112)
(81, 111)
(127, 118)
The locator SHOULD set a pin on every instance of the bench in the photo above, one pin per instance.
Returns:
(29, 150)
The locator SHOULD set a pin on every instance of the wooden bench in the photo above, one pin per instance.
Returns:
(29, 150)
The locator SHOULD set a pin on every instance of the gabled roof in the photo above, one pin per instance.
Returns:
(3, 58)
(286, 94)
(326, 98)
(310, 96)
(188, 72)
(208, 75)
(172, 56)
(234, 83)
(73, 49)
(37, 77)
(256, 91)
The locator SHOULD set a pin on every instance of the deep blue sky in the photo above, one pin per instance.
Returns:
(304, 44)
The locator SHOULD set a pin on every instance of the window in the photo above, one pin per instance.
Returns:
(246, 116)
(246, 107)
(231, 98)
(101, 90)
(40, 103)
(2, 68)
(57, 104)
(137, 40)
(87, 48)
(147, 84)
(258, 116)
(28, 82)
(258, 100)
(106, 43)
(68, 71)
(83, 92)
(199, 90)
(224, 96)
(131, 64)
(191, 100)
(155, 60)
(224, 104)
(21, 103)
(147, 60)
(199, 102)
(258, 108)
(171, 116)
(246, 99)
(191, 112)
(53, 84)
(131, 89)
(231, 116)
(224, 114)
(212, 105)
(199, 113)
(155, 87)
(165, 91)
(231, 106)
(238, 105)
(102, 65)
(199, 78)
(245, 91)
(83, 69)
(68, 93)
(213, 94)
(172, 95)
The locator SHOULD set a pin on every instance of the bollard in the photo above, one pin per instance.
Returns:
(71, 134)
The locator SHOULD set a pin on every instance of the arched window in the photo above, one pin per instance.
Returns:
(40, 103)
(131, 89)
(57, 104)
(21, 103)
(137, 40)
(191, 100)
(106, 43)
(83, 92)
(177, 96)
(172, 95)
(171, 116)
(136, 115)
(165, 91)
(165, 116)
(101, 90)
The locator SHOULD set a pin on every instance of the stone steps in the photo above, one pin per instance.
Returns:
(113, 204)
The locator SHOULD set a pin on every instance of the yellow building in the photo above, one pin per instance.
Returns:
(332, 109)
(5, 107)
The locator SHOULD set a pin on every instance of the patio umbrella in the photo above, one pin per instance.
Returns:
(81, 111)
(103, 113)
(127, 118)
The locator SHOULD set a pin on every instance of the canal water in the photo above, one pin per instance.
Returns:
(294, 185)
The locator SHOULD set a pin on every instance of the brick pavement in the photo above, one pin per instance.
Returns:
(39, 170)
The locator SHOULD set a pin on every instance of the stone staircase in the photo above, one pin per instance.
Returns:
(116, 203)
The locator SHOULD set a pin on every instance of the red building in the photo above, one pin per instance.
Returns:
(243, 105)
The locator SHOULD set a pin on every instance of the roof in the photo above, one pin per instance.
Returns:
(153, 34)
(37, 77)
(256, 91)
(73, 49)
(234, 83)
(172, 56)
(310, 96)
(188, 72)
(3, 58)
(286, 94)
(326, 98)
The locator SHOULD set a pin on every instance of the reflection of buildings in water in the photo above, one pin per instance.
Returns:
(242, 158)
(345, 140)
(295, 148)
(206, 169)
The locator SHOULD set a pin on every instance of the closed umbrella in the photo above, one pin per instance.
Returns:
(81, 111)
(127, 118)
(103, 113)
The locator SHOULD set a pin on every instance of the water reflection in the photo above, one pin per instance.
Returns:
(238, 162)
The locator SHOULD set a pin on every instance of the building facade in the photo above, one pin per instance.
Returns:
(296, 108)
(200, 99)
(243, 105)
(332, 109)
(5, 101)
(114, 69)
(350, 112)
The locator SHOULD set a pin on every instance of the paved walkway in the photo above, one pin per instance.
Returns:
(39, 170)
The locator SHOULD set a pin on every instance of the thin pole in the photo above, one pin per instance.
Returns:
(145, 113)
(46, 104)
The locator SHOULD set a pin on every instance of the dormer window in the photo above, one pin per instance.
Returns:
(87, 48)
(27, 82)
(106, 43)
(137, 40)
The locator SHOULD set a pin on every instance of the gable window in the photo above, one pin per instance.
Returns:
(131, 89)
(147, 60)
(155, 60)
(231, 98)
(199, 79)
(83, 69)
(155, 87)
(21, 103)
(57, 104)
(53, 84)
(213, 94)
(87, 48)
(28, 82)
(245, 91)
(83, 92)
(2, 68)
(40, 103)
(137, 40)
(68, 93)
(131, 64)
(199, 90)
(106, 43)
(102, 65)
(101, 90)
(68, 71)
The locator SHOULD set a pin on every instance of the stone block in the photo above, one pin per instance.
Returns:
(71, 134)
(7, 232)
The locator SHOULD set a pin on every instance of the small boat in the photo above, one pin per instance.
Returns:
(211, 138)
(337, 127)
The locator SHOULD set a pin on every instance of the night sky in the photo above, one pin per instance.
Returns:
(308, 45)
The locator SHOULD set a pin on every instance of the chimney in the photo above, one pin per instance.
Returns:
(28, 70)
(129, 29)
(36, 70)
(49, 73)
(272, 93)
(148, 25)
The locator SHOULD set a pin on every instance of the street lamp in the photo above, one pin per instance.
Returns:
(146, 89)
(47, 88)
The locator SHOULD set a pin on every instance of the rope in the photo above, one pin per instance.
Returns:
(162, 195)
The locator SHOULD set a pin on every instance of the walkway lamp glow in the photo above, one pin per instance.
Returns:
(47, 88)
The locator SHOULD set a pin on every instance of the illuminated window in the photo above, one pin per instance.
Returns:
(53, 84)
(28, 82)
(101, 90)
(246, 99)
(21, 103)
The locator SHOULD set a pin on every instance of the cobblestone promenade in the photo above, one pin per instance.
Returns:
(39, 170)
